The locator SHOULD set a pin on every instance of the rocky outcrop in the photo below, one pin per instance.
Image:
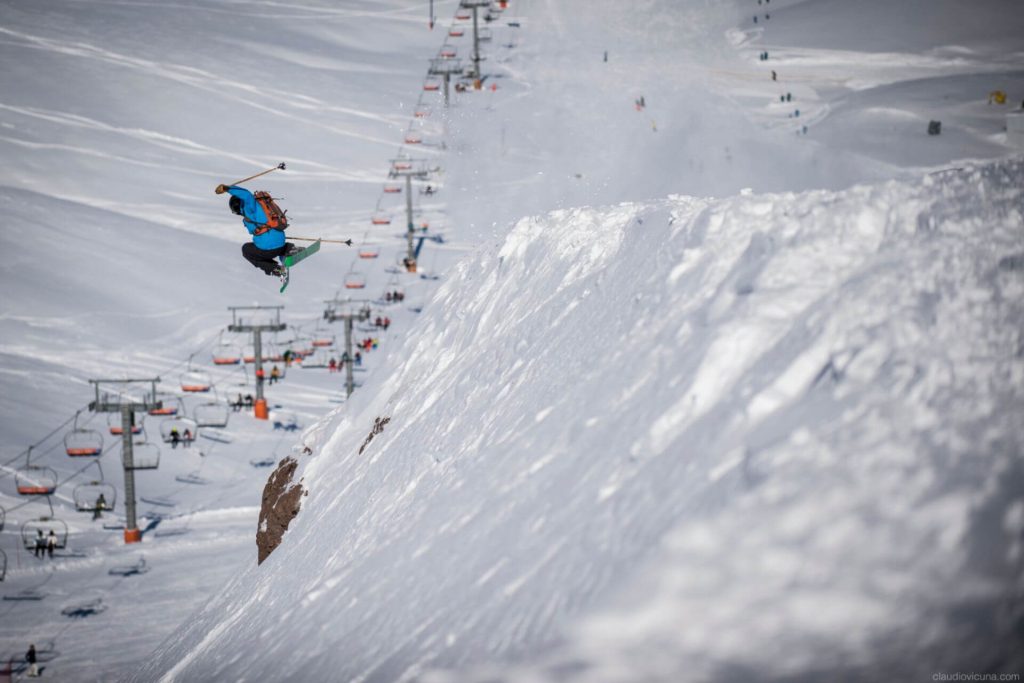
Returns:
(281, 501)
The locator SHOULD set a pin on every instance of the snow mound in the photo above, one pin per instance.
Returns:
(683, 439)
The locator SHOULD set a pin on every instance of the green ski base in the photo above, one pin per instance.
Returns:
(291, 260)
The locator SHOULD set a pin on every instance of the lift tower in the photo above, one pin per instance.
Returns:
(257, 319)
(475, 5)
(126, 396)
(347, 310)
(440, 66)
(409, 169)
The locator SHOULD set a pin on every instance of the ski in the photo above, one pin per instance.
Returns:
(291, 259)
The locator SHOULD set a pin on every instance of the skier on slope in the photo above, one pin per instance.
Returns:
(268, 242)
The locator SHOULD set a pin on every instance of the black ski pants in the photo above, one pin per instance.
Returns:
(264, 259)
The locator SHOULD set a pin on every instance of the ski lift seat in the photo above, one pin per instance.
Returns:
(369, 252)
(355, 281)
(94, 496)
(83, 443)
(195, 381)
(145, 456)
(212, 415)
(183, 425)
(31, 528)
(35, 481)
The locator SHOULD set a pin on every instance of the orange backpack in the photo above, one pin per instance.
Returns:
(276, 218)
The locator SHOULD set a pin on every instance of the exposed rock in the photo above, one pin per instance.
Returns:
(281, 501)
(378, 427)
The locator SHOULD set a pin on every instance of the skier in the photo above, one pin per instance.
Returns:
(51, 543)
(275, 374)
(175, 437)
(40, 548)
(187, 437)
(268, 242)
(30, 657)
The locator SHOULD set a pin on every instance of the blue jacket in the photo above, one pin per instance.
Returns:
(253, 217)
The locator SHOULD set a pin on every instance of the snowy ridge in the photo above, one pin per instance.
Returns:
(691, 420)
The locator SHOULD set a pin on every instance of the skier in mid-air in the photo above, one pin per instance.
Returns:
(266, 223)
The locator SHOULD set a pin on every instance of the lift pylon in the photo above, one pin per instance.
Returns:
(257, 320)
(411, 168)
(348, 311)
(127, 397)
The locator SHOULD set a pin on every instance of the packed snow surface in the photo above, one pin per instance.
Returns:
(711, 370)
(694, 413)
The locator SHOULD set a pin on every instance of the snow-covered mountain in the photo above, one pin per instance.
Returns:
(721, 376)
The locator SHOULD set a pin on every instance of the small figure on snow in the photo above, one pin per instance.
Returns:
(30, 657)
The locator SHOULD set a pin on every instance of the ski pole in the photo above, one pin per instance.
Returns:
(223, 188)
(314, 239)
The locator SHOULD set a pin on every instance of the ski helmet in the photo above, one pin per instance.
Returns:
(236, 205)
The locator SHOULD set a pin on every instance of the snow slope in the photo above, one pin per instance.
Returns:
(695, 415)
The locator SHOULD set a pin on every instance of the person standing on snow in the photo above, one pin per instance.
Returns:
(268, 242)
(30, 657)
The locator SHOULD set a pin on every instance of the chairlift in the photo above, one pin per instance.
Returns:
(169, 406)
(211, 414)
(456, 32)
(34, 480)
(227, 354)
(402, 166)
(95, 496)
(145, 456)
(381, 219)
(319, 342)
(30, 531)
(196, 381)
(413, 139)
(422, 113)
(180, 424)
(319, 359)
(463, 16)
(392, 189)
(355, 280)
(432, 85)
(115, 427)
(81, 442)
(368, 251)
(272, 353)
(448, 53)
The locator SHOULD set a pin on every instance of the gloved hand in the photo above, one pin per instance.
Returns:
(221, 189)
